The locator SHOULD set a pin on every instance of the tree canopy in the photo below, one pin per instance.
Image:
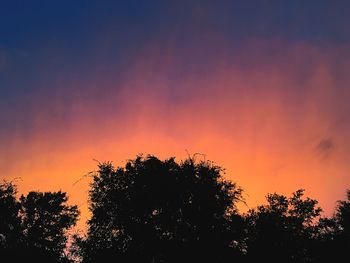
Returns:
(162, 211)
(10, 221)
(282, 230)
(34, 227)
(158, 211)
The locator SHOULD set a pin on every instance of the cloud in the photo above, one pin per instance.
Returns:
(324, 148)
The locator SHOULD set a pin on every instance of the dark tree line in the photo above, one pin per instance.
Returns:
(166, 211)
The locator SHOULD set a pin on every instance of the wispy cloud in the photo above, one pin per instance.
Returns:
(324, 148)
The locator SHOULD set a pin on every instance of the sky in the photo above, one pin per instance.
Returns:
(261, 88)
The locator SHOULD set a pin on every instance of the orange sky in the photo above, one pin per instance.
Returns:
(275, 120)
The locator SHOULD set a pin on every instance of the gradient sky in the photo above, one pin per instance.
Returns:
(260, 87)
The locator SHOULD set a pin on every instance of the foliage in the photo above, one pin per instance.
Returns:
(162, 211)
(283, 230)
(34, 227)
(151, 210)
(334, 234)
(10, 221)
(45, 219)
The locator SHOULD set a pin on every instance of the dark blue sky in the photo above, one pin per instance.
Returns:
(29, 30)
(75, 27)
(75, 34)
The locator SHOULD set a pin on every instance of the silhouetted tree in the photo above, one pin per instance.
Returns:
(342, 216)
(33, 228)
(283, 230)
(166, 211)
(163, 211)
(334, 234)
(45, 218)
(10, 221)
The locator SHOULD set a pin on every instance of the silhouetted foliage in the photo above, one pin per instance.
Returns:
(162, 211)
(166, 211)
(33, 228)
(342, 221)
(334, 234)
(342, 216)
(10, 221)
(283, 230)
(45, 218)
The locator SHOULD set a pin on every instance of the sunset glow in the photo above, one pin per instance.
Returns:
(272, 109)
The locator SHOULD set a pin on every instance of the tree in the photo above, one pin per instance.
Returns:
(33, 227)
(283, 230)
(342, 216)
(334, 234)
(10, 221)
(45, 219)
(162, 211)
